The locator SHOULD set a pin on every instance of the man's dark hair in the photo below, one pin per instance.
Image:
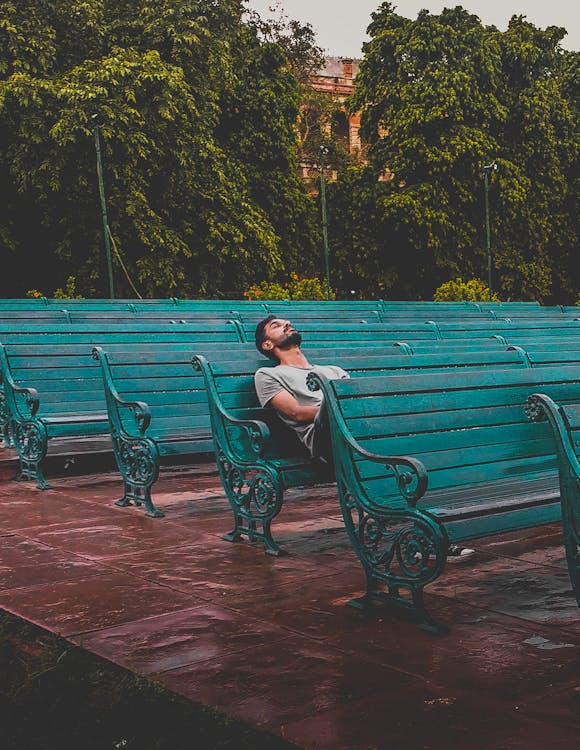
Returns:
(260, 337)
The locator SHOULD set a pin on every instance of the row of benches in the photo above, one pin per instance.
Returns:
(29, 302)
(252, 314)
(464, 432)
(51, 387)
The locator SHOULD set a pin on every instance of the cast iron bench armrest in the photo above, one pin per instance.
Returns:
(410, 473)
(256, 431)
(141, 411)
(30, 395)
(541, 407)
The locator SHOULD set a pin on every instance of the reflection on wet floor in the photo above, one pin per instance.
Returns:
(270, 640)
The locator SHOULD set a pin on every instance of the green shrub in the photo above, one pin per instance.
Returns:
(457, 290)
(297, 288)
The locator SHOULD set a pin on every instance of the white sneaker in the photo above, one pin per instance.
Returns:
(457, 554)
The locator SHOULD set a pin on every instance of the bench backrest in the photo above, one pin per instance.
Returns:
(230, 384)
(467, 427)
(97, 332)
(512, 329)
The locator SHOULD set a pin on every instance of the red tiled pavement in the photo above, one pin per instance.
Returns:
(270, 640)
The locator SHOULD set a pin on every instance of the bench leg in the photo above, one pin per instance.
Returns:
(571, 528)
(395, 603)
(139, 496)
(138, 461)
(400, 550)
(31, 443)
(255, 495)
(5, 436)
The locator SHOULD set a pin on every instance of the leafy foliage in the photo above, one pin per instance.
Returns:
(440, 97)
(457, 290)
(198, 146)
(297, 288)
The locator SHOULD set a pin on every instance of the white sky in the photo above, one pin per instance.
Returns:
(340, 25)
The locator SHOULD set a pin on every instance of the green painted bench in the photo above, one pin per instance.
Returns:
(158, 411)
(532, 327)
(356, 332)
(51, 387)
(431, 458)
(564, 421)
(258, 457)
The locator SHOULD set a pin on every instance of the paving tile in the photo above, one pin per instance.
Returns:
(309, 607)
(192, 503)
(91, 603)
(400, 720)
(24, 507)
(285, 681)
(484, 652)
(24, 562)
(538, 593)
(122, 533)
(185, 637)
(219, 570)
(558, 704)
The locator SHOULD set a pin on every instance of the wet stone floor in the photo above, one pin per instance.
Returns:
(270, 641)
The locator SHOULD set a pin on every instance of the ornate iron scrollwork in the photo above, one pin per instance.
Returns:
(137, 464)
(534, 411)
(4, 419)
(253, 492)
(255, 497)
(399, 547)
(29, 439)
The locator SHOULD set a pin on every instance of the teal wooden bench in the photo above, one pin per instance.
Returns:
(564, 421)
(51, 387)
(512, 329)
(314, 333)
(66, 401)
(258, 458)
(158, 411)
(426, 459)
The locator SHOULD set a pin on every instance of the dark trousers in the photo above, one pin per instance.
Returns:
(322, 446)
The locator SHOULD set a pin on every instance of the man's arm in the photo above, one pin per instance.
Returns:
(286, 404)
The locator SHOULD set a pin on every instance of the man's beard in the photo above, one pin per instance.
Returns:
(293, 339)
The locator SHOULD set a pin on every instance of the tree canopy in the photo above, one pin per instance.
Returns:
(440, 97)
(198, 143)
(205, 112)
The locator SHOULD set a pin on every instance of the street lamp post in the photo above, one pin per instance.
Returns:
(323, 154)
(97, 124)
(486, 169)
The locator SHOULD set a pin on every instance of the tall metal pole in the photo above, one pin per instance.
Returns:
(97, 124)
(323, 153)
(487, 230)
(486, 170)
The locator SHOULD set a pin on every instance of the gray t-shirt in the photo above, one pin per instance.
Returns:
(270, 381)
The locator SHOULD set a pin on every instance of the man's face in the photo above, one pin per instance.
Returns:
(282, 334)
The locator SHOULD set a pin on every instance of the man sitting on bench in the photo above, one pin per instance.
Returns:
(284, 387)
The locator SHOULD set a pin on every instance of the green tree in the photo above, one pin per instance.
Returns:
(440, 97)
(258, 129)
(183, 204)
(538, 142)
